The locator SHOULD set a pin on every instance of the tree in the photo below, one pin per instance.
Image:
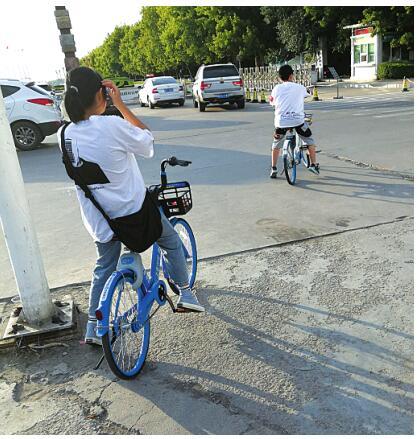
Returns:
(395, 20)
(129, 54)
(328, 22)
(290, 28)
(106, 58)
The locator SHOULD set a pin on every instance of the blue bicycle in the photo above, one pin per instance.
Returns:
(294, 153)
(132, 295)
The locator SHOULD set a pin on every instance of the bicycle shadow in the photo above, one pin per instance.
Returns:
(366, 189)
(310, 381)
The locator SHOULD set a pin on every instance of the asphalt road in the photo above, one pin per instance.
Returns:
(236, 205)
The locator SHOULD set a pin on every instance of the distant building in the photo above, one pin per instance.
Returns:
(368, 51)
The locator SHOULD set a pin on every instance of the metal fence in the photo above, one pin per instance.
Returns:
(265, 78)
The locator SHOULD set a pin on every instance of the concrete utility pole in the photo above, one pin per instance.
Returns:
(66, 38)
(19, 232)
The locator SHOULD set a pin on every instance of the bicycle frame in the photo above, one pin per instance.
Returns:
(152, 289)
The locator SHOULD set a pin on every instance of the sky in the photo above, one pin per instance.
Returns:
(29, 38)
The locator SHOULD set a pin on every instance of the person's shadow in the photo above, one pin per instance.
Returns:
(272, 377)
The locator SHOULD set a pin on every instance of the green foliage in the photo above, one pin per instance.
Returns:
(395, 20)
(395, 70)
(177, 39)
(106, 58)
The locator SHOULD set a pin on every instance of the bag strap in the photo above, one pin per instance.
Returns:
(73, 173)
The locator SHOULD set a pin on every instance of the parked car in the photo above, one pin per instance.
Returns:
(218, 84)
(160, 90)
(31, 112)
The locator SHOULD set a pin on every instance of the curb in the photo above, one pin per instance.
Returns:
(366, 85)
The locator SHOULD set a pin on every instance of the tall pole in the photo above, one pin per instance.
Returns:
(19, 232)
(66, 38)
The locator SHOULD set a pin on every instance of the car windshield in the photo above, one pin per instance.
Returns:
(162, 81)
(220, 71)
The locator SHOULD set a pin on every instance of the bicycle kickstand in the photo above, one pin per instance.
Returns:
(102, 357)
(99, 363)
(171, 303)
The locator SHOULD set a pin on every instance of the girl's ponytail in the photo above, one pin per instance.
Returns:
(82, 86)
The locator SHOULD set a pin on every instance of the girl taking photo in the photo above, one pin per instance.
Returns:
(102, 150)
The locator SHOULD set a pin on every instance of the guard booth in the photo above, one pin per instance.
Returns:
(368, 51)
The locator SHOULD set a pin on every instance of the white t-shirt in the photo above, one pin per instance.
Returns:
(288, 100)
(106, 146)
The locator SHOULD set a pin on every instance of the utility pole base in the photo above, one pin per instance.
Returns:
(17, 327)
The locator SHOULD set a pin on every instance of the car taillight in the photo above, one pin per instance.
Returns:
(239, 83)
(204, 85)
(42, 101)
(154, 90)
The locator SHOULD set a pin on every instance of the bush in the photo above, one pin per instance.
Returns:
(395, 70)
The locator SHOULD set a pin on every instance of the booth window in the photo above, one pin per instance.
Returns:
(364, 53)
(357, 54)
(371, 52)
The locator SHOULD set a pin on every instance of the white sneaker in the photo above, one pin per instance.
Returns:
(90, 334)
(188, 301)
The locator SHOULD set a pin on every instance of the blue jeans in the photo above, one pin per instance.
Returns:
(108, 254)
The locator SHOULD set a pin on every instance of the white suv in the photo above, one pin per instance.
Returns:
(218, 84)
(31, 111)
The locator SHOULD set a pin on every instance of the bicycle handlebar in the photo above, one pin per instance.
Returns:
(172, 161)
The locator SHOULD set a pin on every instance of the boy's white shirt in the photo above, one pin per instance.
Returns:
(111, 142)
(288, 100)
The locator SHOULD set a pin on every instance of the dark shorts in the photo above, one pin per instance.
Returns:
(302, 130)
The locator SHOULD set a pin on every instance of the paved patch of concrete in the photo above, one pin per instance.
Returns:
(308, 338)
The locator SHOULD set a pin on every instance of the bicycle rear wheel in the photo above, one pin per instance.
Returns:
(126, 344)
(290, 166)
(189, 247)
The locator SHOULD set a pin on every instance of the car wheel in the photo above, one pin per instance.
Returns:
(26, 135)
(195, 103)
(150, 104)
(241, 103)
(142, 104)
(201, 106)
(181, 102)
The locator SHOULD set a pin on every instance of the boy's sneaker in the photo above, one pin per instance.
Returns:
(90, 333)
(188, 301)
(274, 173)
(315, 169)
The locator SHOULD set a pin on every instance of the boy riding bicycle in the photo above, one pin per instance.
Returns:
(288, 100)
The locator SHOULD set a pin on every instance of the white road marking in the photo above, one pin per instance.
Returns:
(396, 114)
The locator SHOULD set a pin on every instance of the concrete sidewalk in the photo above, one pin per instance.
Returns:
(310, 337)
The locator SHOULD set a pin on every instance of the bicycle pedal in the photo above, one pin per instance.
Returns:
(184, 310)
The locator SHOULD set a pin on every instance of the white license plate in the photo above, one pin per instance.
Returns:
(223, 95)
(169, 90)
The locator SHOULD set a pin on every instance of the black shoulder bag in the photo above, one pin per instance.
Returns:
(137, 231)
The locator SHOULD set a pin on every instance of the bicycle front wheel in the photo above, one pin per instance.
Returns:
(290, 168)
(305, 157)
(126, 343)
(189, 247)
